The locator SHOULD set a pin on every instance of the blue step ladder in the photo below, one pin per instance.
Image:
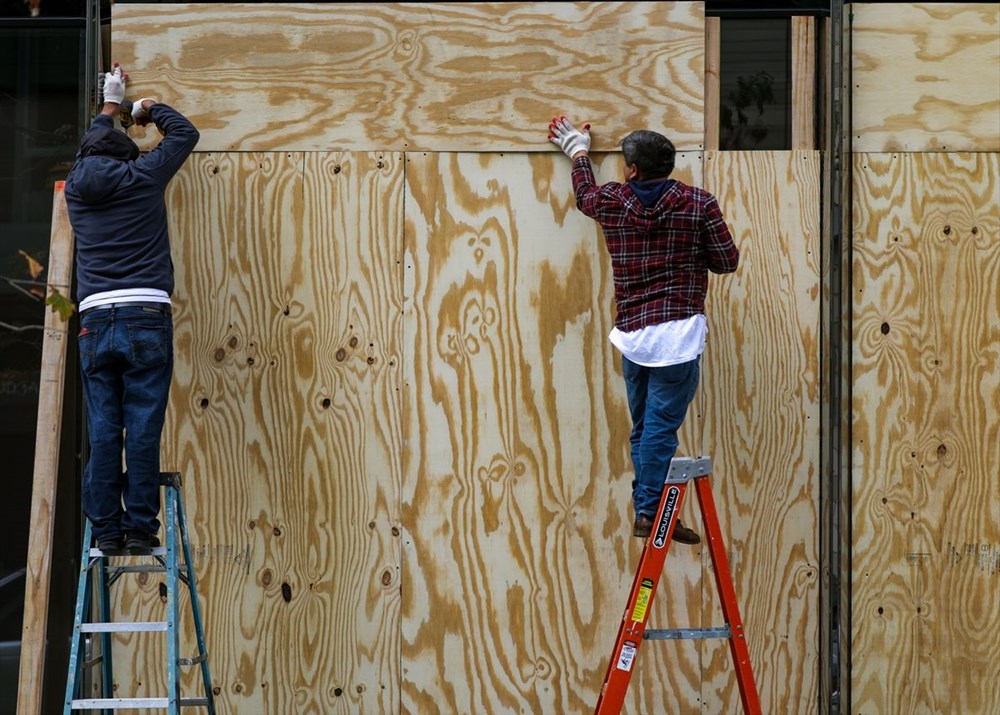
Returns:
(97, 574)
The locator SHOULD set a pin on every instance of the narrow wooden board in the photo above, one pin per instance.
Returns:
(416, 76)
(46, 467)
(926, 433)
(761, 379)
(713, 58)
(804, 82)
(926, 76)
(517, 552)
(285, 419)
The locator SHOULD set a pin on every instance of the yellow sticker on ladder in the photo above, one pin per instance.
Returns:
(642, 601)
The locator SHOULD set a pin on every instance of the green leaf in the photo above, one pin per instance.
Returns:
(60, 304)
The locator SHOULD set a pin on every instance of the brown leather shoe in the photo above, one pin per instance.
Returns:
(642, 526)
(684, 535)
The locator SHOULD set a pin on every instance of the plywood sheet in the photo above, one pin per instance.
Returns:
(516, 498)
(926, 77)
(761, 424)
(285, 419)
(926, 433)
(416, 76)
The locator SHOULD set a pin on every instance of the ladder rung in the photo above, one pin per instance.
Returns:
(118, 703)
(155, 551)
(137, 569)
(667, 634)
(136, 627)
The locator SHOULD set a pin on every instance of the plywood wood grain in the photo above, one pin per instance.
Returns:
(416, 76)
(285, 418)
(517, 552)
(761, 378)
(926, 433)
(926, 77)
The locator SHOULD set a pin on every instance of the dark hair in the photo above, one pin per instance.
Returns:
(101, 141)
(652, 153)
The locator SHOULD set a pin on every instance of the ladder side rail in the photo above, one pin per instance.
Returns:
(104, 591)
(620, 638)
(75, 669)
(727, 595)
(195, 608)
(630, 634)
(173, 684)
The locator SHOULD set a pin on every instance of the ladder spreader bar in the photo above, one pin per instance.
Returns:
(667, 634)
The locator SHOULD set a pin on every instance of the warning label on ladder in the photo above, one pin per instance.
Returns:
(627, 656)
(642, 601)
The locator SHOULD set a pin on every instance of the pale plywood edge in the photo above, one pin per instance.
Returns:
(803, 82)
(712, 62)
(43, 493)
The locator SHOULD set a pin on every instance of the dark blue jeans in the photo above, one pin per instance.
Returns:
(658, 398)
(127, 359)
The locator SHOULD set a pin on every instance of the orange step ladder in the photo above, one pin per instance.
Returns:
(633, 631)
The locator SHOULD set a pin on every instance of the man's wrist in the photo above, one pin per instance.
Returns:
(581, 153)
(110, 108)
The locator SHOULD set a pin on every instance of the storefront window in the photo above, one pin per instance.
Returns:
(755, 83)
(41, 118)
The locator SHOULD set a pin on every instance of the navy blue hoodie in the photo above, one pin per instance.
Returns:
(118, 212)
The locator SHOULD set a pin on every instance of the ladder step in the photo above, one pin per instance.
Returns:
(155, 551)
(136, 627)
(139, 569)
(667, 634)
(119, 703)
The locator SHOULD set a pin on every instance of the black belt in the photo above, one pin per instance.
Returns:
(158, 307)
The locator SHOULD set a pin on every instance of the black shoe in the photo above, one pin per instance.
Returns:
(140, 542)
(642, 526)
(110, 545)
(684, 535)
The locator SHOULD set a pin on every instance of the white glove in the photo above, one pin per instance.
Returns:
(140, 115)
(567, 137)
(114, 86)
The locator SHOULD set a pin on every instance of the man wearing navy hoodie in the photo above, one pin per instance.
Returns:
(664, 237)
(125, 277)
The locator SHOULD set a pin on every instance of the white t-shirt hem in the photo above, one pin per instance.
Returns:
(670, 343)
(125, 295)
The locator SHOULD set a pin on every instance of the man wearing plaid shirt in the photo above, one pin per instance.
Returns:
(663, 237)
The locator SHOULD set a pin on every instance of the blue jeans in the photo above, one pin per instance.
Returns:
(127, 359)
(658, 398)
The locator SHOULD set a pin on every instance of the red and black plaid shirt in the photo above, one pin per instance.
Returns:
(660, 255)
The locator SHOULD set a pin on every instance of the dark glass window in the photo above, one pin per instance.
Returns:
(41, 113)
(755, 86)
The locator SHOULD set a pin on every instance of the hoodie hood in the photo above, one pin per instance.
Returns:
(102, 139)
(652, 203)
(95, 178)
(650, 192)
